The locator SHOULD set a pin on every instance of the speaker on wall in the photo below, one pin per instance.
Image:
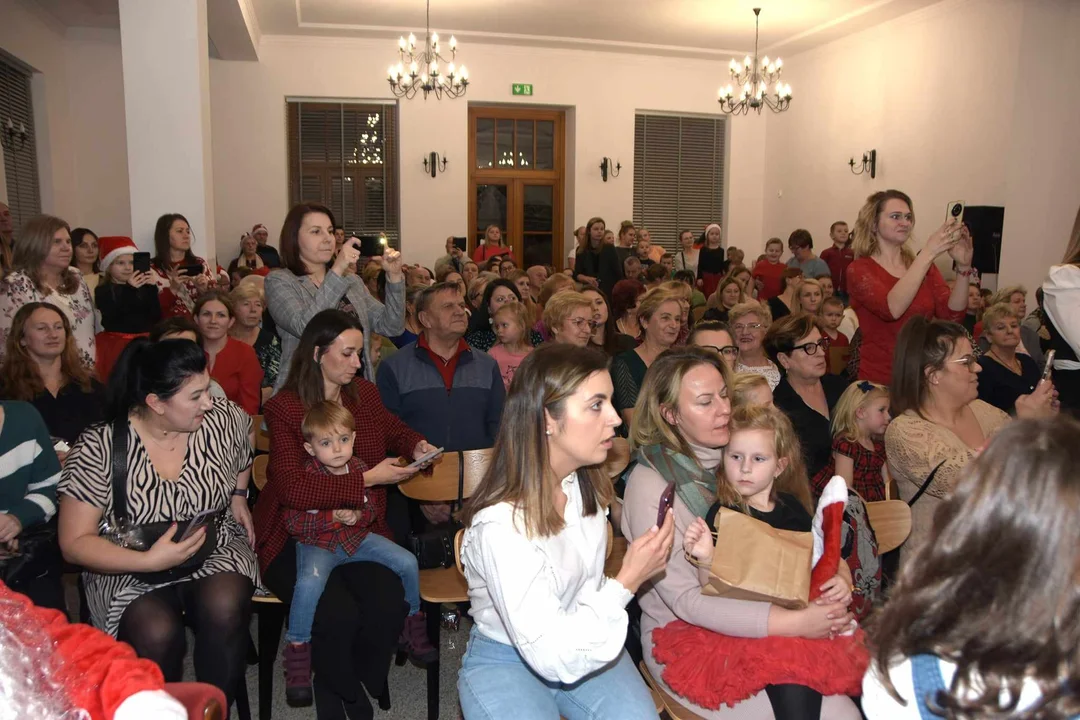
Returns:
(985, 223)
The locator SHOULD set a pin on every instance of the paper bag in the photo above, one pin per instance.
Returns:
(754, 561)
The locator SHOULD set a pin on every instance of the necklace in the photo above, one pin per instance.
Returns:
(160, 443)
(1018, 369)
(620, 325)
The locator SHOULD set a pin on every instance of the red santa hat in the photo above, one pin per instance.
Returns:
(113, 247)
(259, 227)
(828, 520)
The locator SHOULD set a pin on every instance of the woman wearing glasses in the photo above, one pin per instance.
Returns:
(807, 394)
(889, 283)
(714, 335)
(940, 422)
(748, 323)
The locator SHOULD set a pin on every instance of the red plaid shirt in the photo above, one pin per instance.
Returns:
(290, 485)
(319, 528)
(867, 480)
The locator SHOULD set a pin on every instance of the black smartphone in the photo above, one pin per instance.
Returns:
(141, 262)
(460, 243)
(201, 520)
(190, 270)
(667, 499)
(372, 245)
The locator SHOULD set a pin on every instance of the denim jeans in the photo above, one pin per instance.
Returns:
(495, 683)
(313, 568)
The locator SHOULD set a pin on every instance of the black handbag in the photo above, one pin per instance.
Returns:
(38, 555)
(435, 548)
(142, 537)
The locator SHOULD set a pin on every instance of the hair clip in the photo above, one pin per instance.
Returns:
(866, 386)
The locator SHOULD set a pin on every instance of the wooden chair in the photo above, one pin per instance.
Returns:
(670, 705)
(891, 521)
(697, 313)
(454, 478)
(618, 457)
(838, 359)
(262, 437)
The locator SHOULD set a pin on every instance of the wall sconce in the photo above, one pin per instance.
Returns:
(13, 138)
(869, 164)
(607, 167)
(433, 164)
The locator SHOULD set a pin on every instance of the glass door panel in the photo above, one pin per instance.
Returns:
(492, 205)
(538, 224)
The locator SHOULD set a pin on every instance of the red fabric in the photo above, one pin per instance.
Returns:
(709, 282)
(96, 672)
(840, 341)
(828, 564)
(869, 285)
(770, 274)
(445, 367)
(289, 484)
(977, 331)
(108, 346)
(838, 261)
(320, 529)
(867, 464)
(171, 304)
(484, 252)
(238, 372)
(711, 669)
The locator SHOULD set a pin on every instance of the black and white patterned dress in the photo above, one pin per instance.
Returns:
(217, 452)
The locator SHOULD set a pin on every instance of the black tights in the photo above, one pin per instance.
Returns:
(218, 608)
(794, 702)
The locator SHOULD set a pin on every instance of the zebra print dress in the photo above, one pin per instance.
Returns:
(217, 452)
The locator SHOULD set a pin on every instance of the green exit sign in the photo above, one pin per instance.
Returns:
(522, 89)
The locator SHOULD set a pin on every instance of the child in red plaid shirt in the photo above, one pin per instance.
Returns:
(326, 539)
(858, 455)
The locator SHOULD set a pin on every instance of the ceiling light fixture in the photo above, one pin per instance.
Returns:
(755, 78)
(420, 71)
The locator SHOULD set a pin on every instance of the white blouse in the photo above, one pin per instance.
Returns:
(546, 596)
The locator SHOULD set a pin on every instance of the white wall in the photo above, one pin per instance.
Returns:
(601, 91)
(79, 117)
(968, 99)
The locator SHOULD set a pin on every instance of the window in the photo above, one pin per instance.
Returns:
(344, 156)
(678, 174)
(20, 156)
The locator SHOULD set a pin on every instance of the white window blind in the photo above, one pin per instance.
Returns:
(678, 174)
(20, 157)
(344, 156)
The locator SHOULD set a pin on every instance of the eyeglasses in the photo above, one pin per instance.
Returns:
(582, 322)
(968, 361)
(811, 348)
(730, 351)
(748, 326)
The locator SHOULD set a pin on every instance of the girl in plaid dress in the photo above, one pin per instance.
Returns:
(858, 455)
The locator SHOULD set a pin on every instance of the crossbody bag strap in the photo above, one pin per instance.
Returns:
(926, 484)
(119, 470)
(460, 479)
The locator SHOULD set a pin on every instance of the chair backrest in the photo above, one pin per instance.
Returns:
(697, 313)
(618, 457)
(891, 521)
(262, 438)
(458, 537)
(442, 484)
(838, 359)
(258, 470)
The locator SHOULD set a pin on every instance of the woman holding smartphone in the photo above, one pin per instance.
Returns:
(550, 627)
(180, 275)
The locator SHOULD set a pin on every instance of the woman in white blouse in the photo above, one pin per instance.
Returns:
(549, 626)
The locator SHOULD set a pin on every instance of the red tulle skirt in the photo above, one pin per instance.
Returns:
(709, 283)
(711, 669)
(109, 345)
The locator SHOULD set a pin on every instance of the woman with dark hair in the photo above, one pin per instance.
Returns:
(42, 367)
(785, 303)
(181, 276)
(231, 362)
(598, 264)
(605, 337)
(625, 298)
(42, 272)
(185, 455)
(497, 293)
(549, 627)
(326, 366)
(84, 258)
(889, 283)
(939, 422)
(983, 622)
(308, 283)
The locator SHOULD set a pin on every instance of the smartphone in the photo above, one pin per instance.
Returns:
(1049, 367)
(667, 499)
(371, 245)
(202, 519)
(425, 458)
(141, 262)
(954, 212)
(190, 270)
(61, 446)
(460, 243)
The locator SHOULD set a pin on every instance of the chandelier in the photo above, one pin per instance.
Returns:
(420, 71)
(755, 78)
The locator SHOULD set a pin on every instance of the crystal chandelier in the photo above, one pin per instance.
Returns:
(416, 71)
(755, 78)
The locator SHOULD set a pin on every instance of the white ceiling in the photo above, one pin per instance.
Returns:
(668, 27)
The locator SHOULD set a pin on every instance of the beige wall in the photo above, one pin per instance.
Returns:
(972, 100)
(602, 89)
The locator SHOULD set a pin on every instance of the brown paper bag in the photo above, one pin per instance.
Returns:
(754, 561)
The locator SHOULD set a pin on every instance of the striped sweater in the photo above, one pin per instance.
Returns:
(29, 469)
